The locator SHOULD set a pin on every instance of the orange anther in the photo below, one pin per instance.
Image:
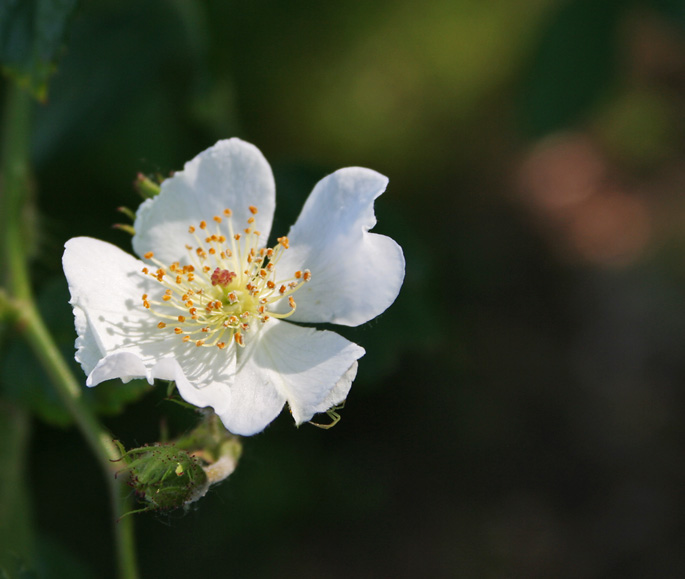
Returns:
(253, 209)
(148, 255)
(161, 325)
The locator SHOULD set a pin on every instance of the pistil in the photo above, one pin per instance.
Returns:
(226, 290)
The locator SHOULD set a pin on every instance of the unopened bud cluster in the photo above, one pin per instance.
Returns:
(172, 475)
(164, 477)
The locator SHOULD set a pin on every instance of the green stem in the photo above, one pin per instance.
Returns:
(18, 302)
(16, 518)
(97, 437)
(14, 189)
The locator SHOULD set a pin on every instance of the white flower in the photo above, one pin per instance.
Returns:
(207, 306)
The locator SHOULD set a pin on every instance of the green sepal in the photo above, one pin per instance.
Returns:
(146, 187)
(210, 439)
(125, 228)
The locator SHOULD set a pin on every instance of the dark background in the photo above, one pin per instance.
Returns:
(519, 412)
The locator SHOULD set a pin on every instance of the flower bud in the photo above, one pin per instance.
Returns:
(164, 477)
(168, 476)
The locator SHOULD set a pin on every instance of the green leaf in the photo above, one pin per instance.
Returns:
(127, 94)
(23, 380)
(573, 67)
(31, 36)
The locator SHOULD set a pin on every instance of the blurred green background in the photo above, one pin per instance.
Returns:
(519, 412)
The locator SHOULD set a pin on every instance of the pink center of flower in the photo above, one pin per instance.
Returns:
(228, 288)
(222, 277)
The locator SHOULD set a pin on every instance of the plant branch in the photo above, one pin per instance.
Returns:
(17, 304)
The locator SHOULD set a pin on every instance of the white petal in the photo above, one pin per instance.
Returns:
(255, 401)
(340, 390)
(203, 376)
(232, 174)
(88, 352)
(123, 365)
(356, 275)
(119, 338)
(309, 369)
(106, 286)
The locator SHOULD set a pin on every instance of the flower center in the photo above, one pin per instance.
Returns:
(226, 289)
